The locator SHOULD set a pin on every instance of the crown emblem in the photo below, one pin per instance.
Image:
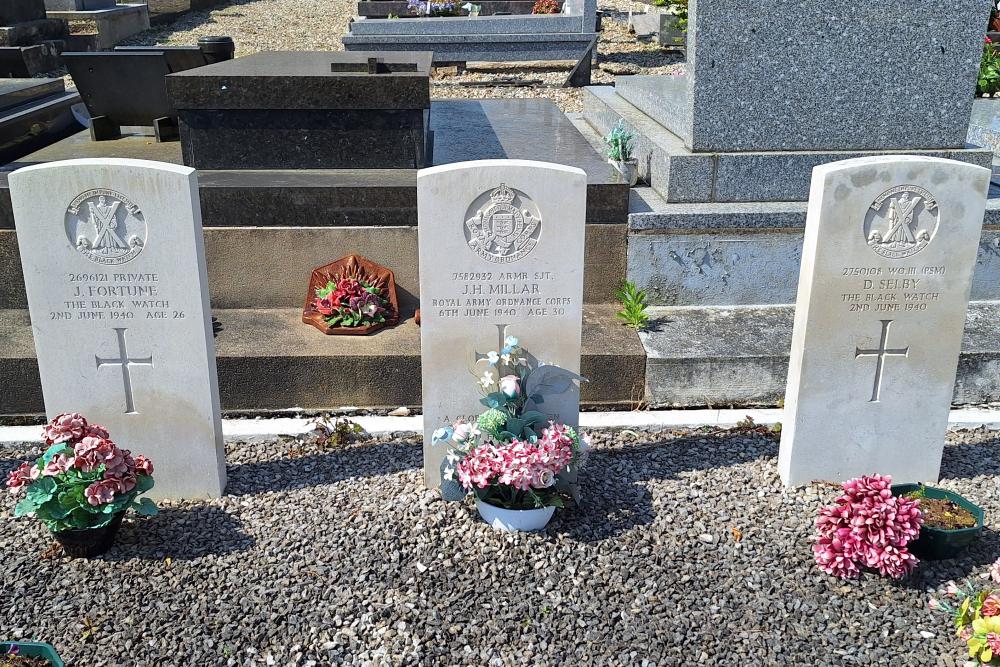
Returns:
(502, 195)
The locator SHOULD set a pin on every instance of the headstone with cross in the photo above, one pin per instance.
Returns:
(114, 270)
(890, 246)
(501, 254)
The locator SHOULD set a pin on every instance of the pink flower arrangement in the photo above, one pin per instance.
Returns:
(519, 464)
(975, 614)
(867, 527)
(82, 469)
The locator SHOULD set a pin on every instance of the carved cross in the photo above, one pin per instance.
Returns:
(882, 352)
(125, 362)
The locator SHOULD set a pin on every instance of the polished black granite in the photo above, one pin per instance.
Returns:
(463, 130)
(13, 12)
(283, 80)
(15, 92)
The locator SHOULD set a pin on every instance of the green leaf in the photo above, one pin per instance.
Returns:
(26, 506)
(42, 490)
(143, 483)
(146, 507)
(50, 453)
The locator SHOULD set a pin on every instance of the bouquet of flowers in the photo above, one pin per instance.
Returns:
(513, 456)
(975, 612)
(83, 480)
(352, 301)
(868, 527)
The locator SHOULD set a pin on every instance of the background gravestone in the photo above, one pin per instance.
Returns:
(501, 253)
(890, 245)
(114, 270)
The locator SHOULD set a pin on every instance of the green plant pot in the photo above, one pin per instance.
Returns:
(937, 543)
(34, 650)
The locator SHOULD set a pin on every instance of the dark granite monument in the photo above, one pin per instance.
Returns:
(101, 76)
(306, 110)
(33, 114)
(30, 42)
(78, 5)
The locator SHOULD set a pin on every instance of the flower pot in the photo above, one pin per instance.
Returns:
(89, 542)
(629, 170)
(938, 543)
(34, 650)
(514, 521)
(324, 274)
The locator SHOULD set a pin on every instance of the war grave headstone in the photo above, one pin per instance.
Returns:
(501, 254)
(890, 246)
(114, 269)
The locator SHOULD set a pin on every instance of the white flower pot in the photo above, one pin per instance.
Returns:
(629, 170)
(514, 520)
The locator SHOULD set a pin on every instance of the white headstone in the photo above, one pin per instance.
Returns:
(890, 245)
(501, 253)
(114, 269)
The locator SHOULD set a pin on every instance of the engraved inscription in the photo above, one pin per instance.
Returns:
(105, 226)
(881, 353)
(503, 225)
(901, 221)
(125, 362)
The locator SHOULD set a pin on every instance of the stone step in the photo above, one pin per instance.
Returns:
(680, 175)
(738, 356)
(744, 254)
(268, 360)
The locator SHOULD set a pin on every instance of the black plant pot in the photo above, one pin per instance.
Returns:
(89, 542)
(217, 49)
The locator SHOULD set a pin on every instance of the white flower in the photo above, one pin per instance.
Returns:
(486, 380)
(505, 358)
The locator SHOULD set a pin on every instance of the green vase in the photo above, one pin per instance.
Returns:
(34, 650)
(937, 543)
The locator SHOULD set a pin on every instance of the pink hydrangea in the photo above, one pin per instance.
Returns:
(143, 465)
(867, 527)
(22, 476)
(59, 464)
(101, 493)
(67, 427)
(519, 464)
(93, 452)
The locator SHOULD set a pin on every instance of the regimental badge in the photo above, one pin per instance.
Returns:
(901, 221)
(503, 225)
(106, 227)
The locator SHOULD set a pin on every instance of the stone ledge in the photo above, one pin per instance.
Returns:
(317, 372)
(721, 357)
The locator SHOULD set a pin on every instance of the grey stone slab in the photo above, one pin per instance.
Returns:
(984, 126)
(303, 80)
(787, 96)
(248, 360)
(480, 48)
(30, 61)
(15, 92)
(30, 33)
(480, 25)
(679, 174)
(78, 5)
(36, 124)
(114, 25)
(721, 357)
(20, 11)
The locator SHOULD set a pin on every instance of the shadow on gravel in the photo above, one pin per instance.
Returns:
(181, 533)
(937, 573)
(966, 461)
(615, 499)
(326, 468)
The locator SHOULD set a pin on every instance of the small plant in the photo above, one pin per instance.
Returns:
(83, 480)
(545, 7)
(634, 305)
(942, 513)
(330, 432)
(975, 613)
(392, 16)
(868, 527)
(619, 142)
(679, 8)
(988, 81)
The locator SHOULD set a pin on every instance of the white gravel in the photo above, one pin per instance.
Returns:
(686, 552)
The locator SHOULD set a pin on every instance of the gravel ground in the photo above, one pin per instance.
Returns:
(686, 552)
(302, 25)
